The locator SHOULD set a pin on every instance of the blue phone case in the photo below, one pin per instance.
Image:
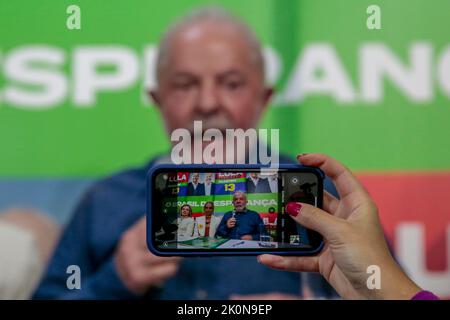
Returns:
(206, 252)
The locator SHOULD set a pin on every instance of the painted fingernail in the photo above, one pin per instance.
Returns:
(293, 208)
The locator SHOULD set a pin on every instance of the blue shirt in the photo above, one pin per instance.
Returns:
(247, 223)
(112, 206)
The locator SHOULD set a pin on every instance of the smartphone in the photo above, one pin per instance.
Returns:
(208, 210)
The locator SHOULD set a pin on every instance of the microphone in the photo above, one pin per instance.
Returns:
(233, 215)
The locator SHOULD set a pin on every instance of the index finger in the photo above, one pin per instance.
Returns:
(344, 180)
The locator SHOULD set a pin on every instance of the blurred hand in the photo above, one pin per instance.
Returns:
(137, 267)
(231, 223)
(354, 239)
(247, 237)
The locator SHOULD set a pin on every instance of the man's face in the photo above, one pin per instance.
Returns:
(195, 177)
(239, 202)
(254, 175)
(211, 75)
(208, 178)
(209, 208)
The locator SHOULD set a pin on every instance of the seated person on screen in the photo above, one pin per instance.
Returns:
(186, 224)
(206, 225)
(240, 223)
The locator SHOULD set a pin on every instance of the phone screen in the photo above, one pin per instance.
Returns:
(231, 210)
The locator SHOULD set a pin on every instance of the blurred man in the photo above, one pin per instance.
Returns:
(207, 224)
(250, 223)
(209, 68)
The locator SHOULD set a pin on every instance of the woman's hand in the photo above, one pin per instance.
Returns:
(354, 239)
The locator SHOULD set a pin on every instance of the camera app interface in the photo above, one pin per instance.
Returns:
(230, 210)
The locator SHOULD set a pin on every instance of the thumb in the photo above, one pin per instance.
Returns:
(314, 218)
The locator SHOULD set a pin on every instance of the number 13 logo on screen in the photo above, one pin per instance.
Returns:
(230, 187)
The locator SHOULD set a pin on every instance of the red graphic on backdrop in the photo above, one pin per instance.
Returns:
(415, 213)
(415, 197)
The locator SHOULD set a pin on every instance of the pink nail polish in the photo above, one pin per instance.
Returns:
(293, 208)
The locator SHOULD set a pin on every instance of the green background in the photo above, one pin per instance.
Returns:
(120, 131)
(260, 208)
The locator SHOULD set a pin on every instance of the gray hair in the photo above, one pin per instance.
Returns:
(239, 192)
(214, 14)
